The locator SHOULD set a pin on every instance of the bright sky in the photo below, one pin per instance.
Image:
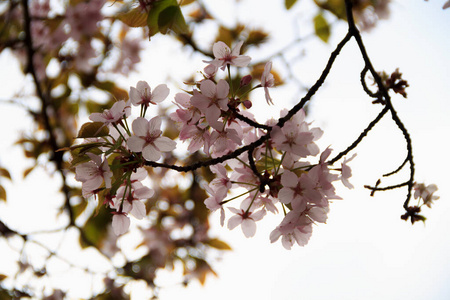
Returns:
(365, 251)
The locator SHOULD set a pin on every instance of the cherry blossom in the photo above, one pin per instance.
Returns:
(142, 94)
(267, 80)
(426, 193)
(297, 191)
(214, 202)
(93, 173)
(247, 220)
(225, 56)
(148, 140)
(211, 100)
(111, 116)
(295, 227)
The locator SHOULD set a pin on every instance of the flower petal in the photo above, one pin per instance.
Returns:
(164, 144)
(160, 93)
(120, 224)
(136, 144)
(149, 152)
(248, 227)
(140, 126)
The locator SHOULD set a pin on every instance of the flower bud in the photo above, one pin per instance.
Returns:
(246, 80)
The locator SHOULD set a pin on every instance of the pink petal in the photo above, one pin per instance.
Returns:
(120, 224)
(222, 89)
(248, 227)
(143, 88)
(160, 93)
(286, 195)
(237, 49)
(140, 126)
(318, 214)
(242, 61)
(258, 215)
(144, 193)
(208, 88)
(289, 179)
(135, 96)
(220, 49)
(138, 210)
(136, 144)
(154, 125)
(151, 153)
(234, 221)
(164, 144)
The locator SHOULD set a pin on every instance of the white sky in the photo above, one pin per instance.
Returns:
(364, 251)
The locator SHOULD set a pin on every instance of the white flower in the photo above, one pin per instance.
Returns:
(142, 94)
(92, 174)
(225, 56)
(246, 219)
(148, 140)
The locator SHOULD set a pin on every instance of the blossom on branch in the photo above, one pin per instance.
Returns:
(148, 140)
(142, 94)
(92, 174)
(225, 56)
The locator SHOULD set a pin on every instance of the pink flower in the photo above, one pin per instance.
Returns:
(148, 140)
(425, 192)
(214, 202)
(131, 200)
(267, 81)
(110, 116)
(225, 56)
(221, 184)
(186, 113)
(297, 191)
(211, 100)
(142, 94)
(295, 227)
(246, 220)
(92, 174)
(224, 142)
(199, 137)
(291, 139)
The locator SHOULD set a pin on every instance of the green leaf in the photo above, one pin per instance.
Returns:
(289, 3)
(93, 129)
(321, 27)
(153, 15)
(137, 17)
(172, 18)
(95, 229)
(165, 15)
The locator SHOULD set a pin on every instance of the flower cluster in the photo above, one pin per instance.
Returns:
(123, 151)
(273, 171)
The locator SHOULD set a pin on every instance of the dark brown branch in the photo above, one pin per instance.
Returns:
(360, 137)
(384, 93)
